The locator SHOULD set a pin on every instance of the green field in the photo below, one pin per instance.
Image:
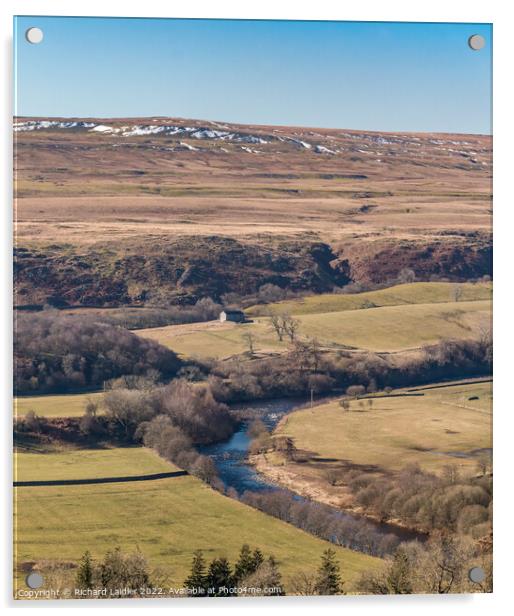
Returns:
(215, 339)
(410, 293)
(396, 431)
(88, 463)
(167, 519)
(65, 405)
(389, 328)
(394, 328)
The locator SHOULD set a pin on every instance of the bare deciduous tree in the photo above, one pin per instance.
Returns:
(291, 326)
(276, 322)
(456, 292)
(406, 275)
(250, 342)
(303, 583)
(355, 390)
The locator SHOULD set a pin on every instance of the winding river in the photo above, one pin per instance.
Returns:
(230, 458)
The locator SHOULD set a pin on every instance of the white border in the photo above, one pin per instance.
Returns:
(364, 10)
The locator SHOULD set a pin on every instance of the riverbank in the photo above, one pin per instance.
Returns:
(344, 455)
(242, 479)
(291, 478)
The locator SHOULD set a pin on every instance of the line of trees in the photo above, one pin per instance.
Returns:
(322, 521)
(191, 408)
(285, 325)
(255, 575)
(205, 309)
(121, 574)
(252, 574)
(58, 353)
(428, 502)
(305, 368)
(440, 566)
(117, 571)
(172, 419)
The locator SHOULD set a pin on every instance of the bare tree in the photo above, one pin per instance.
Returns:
(285, 445)
(456, 292)
(270, 293)
(290, 326)
(250, 342)
(276, 322)
(355, 390)
(442, 569)
(315, 354)
(406, 275)
(484, 464)
(303, 583)
(91, 407)
(450, 474)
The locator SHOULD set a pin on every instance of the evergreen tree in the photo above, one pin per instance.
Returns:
(329, 578)
(84, 578)
(274, 576)
(197, 578)
(220, 577)
(112, 570)
(258, 558)
(245, 565)
(398, 578)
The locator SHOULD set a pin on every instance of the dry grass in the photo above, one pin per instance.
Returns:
(89, 187)
(389, 328)
(396, 431)
(63, 405)
(399, 295)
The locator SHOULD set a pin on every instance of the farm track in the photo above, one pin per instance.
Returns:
(97, 480)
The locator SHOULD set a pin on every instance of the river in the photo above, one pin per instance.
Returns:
(230, 458)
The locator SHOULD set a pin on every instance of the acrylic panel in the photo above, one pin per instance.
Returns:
(252, 298)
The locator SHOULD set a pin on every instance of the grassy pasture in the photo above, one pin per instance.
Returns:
(410, 293)
(88, 464)
(166, 519)
(214, 339)
(393, 328)
(63, 405)
(396, 431)
(388, 328)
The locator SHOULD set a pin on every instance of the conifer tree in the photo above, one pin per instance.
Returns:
(245, 565)
(329, 578)
(258, 558)
(84, 578)
(265, 581)
(220, 577)
(398, 578)
(197, 578)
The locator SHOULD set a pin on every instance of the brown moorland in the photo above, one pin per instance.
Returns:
(106, 211)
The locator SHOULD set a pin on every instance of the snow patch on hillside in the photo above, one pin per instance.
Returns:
(31, 125)
(321, 149)
(186, 146)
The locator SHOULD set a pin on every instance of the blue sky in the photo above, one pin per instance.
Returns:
(369, 76)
